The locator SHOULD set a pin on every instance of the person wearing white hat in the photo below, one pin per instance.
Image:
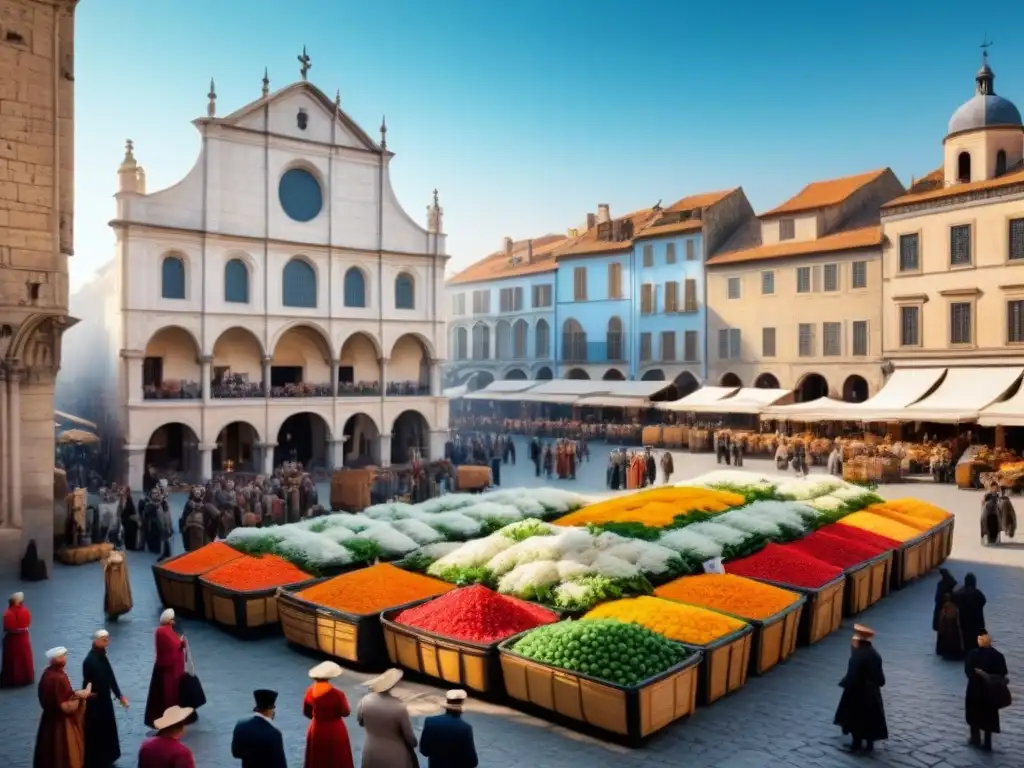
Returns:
(327, 741)
(18, 666)
(60, 741)
(103, 747)
(389, 736)
(117, 589)
(447, 739)
(168, 669)
(165, 750)
(861, 713)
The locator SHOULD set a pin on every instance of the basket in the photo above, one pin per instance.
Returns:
(724, 666)
(84, 555)
(242, 611)
(180, 591)
(630, 713)
(824, 611)
(868, 582)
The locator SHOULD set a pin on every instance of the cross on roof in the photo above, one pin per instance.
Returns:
(985, 45)
(306, 62)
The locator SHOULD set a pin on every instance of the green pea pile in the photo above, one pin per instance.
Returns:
(625, 654)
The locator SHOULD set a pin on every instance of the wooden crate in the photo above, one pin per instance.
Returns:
(823, 613)
(651, 436)
(178, 590)
(242, 611)
(868, 583)
(725, 665)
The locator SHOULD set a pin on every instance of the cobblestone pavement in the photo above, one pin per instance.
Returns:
(782, 719)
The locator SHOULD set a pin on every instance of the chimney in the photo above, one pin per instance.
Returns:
(591, 221)
(509, 247)
(604, 214)
(529, 252)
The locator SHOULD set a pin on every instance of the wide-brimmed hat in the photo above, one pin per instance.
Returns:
(455, 700)
(326, 670)
(385, 682)
(860, 632)
(172, 716)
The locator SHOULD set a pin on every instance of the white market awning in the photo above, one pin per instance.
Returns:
(822, 409)
(565, 391)
(454, 393)
(611, 401)
(703, 396)
(497, 390)
(963, 394)
(1008, 413)
(749, 400)
(904, 388)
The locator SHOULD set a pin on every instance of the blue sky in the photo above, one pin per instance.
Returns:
(526, 115)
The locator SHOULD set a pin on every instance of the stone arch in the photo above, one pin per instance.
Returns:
(613, 374)
(855, 389)
(237, 363)
(577, 374)
(811, 387)
(303, 436)
(767, 381)
(516, 374)
(654, 374)
(544, 373)
(460, 342)
(359, 364)
(305, 359)
(410, 429)
(730, 380)
(360, 433)
(171, 365)
(315, 328)
(238, 442)
(425, 343)
(409, 365)
(173, 449)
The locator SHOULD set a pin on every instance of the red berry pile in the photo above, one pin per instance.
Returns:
(477, 615)
(834, 550)
(866, 538)
(783, 565)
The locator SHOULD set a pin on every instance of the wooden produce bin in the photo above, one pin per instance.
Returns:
(725, 665)
(629, 713)
(243, 611)
(651, 436)
(473, 478)
(673, 437)
(350, 489)
(923, 554)
(824, 610)
(774, 639)
(178, 590)
(868, 583)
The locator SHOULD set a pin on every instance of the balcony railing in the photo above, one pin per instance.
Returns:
(172, 389)
(302, 389)
(407, 389)
(359, 389)
(236, 388)
(576, 349)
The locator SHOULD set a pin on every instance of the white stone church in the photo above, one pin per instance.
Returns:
(275, 304)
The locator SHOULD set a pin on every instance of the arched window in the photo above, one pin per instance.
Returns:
(614, 339)
(542, 340)
(481, 342)
(963, 167)
(355, 288)
(503, 340)
(1000, 162)
(236, 282)
(405, 297)
(574, 342)
(461, 343)
(172, 278)
(298, 285)
(519, 331)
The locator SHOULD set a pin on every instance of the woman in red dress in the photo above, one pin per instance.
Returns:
(18, 667)
(327, 743)
(168, 669)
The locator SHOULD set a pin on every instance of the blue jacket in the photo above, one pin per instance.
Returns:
(447, 742)
(258, 744)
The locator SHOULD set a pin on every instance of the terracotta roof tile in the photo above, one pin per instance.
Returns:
(921, 193)
(587, 243)
(693, 202)
(496, 266)
(849, 240)
(671, 229)
(705, 200)
(822, 194)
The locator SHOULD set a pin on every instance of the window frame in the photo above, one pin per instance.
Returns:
(579, 283)
(729, 283)
(646, 347)
(800, 271)
(245, 272)
(1010, 220)
(774, 348)
(834, 266)
(768, 280)
(918, 307)
(969, 225)
(853, 338)
(670, 253)
(691, 301)
(664, 336)
(837, 332)
(647, 255)
(647, 298)
(812, 347)
(614, 280)
(919, 251)
(180, 258)
(344, 288)
(687, 336)
(691, 250)
(412, 291)
(970, 304)
(787, 229)
(316, 283)
(863, 264)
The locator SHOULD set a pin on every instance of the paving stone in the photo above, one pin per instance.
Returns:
(781, 719)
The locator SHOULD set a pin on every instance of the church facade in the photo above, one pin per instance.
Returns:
(277, 303)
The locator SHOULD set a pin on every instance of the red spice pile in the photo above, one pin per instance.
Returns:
(834, 550)
(785, 566)
(865, 538)
(477, 615)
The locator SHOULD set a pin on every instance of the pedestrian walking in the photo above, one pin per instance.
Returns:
(18, 668)
(327, 740)
(949, 642)
(256, 741)
(667, 467)
(168, 670)
(650, 467)
(861, 713)
(987, 691)
(990, 518)
(60, 740)
(165, 750)
(102, 747)
(945, 587)
(970, 603)
(1007, 515)
(389, 736)
(117, 589)
(447, 739)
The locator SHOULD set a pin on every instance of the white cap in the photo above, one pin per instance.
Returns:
(167, 616)
(56, 653)
(18, 597)
(456, 695)
(99, 634)
(326, 670)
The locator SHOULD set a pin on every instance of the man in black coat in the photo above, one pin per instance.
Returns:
(256, 741)
(970, 602)
(861, 713)
(102, 746)
(987, 690)
(447, 739)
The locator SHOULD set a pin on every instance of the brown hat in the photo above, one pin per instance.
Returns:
(860, 632)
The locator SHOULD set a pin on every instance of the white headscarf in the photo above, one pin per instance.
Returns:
(167, 616)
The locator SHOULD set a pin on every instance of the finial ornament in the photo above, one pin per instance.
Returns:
(211, 107)
(435, 198)
(985, 45)
(129, 150)
(306, 62)
(337, 100)
(383, 132)
(435, 217)
(266, 83)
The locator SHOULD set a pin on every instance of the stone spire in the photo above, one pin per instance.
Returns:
(211, 105)
(266, 83)
(131, 177)
(435, 217)
(383, 132)
(337, 100)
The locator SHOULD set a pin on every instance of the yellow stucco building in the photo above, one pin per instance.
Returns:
(794, 296)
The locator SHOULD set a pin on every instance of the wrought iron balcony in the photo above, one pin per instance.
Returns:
(302, 389)
(236, 388)
(407, 389)
(359, 389)
(172, 389)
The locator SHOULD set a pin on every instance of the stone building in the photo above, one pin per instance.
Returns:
(277, 303)
(37, 55)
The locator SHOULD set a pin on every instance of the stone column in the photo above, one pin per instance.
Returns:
(206, 461)
(207, 368)
(14, 378)
(383, 375)
(438, 437)
(383, 451)
(266, 376)
(334, 376)
(435, 378)
(337, 457)
(133, 374)
(267, 450)
(5, 475)
(136, 467)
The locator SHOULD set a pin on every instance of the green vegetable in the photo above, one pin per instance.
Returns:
(620, 653)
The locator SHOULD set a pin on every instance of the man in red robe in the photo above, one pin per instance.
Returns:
(168, 669)
(60, 742)
(165, 750)
(18, 667)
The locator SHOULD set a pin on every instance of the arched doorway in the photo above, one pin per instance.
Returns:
(173, 449)
(410, 431)
(237, 448)
(855, 389)
(655, 374)
(578, 374)
(480, 380)
(303, 437)
(613, 374)
(574, 342)
(766, 381)
(730, 380)
(361, 435)
(686, 384)
(545, 374)
(408, 367)
(516, 374)
(811, 387)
